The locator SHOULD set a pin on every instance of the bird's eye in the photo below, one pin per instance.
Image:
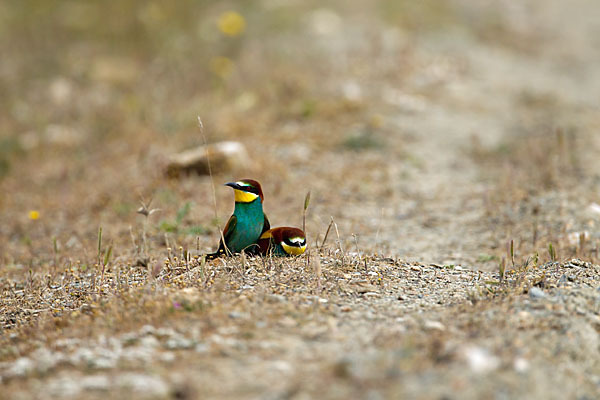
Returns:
(296, 241)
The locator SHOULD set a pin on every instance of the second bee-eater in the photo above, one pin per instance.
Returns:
(248, 221)
(283, 241)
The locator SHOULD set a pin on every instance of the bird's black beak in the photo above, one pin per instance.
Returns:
(233, 185)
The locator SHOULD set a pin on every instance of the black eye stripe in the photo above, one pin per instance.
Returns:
(249, 189)
(295, 244)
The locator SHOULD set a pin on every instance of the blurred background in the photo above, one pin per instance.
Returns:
(432, 130)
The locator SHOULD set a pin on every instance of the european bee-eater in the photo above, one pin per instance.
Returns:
(248, 221)
(283, 241)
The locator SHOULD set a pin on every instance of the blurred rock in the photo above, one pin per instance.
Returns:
(179, 342)
(20, 368)
(147, 330)
(60, 91)
(352, 91)
(149, 341)
(521, 365)
(536, 293)
(576, 238)
(434, 326)
(594, 208)
(63, 387)
(224, 156)
(202, 348)
(95, 382)
(144, 385)
(479, 359)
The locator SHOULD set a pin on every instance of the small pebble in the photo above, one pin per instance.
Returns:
(179, 342)
(95, 382)
(521, 365)
(434, 326)
(480, 360)
(151, 386)
(238, 315)
(536, 293)
(22, 367)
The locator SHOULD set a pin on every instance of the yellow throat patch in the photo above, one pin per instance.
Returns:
(244, 197)
(293, 250)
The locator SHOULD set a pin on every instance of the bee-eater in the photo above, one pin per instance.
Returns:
(248, 221)
(283, 241)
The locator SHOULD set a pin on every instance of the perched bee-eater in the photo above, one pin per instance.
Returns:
(248, 221)
(283, 241)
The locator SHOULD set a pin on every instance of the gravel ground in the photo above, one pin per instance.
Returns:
(376, 328)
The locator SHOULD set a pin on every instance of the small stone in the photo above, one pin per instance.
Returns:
(224, 156)
(46, 360)
(21, 367)
(147, 330)
(138, 354)
(594, 208)
(276, 298)
(282, 366)
(536, 293)
(129, 338)
(238, 315)
(371, 294)
(63, 387)
(106, 361)
(149, 341)
(260, 324)
(288, 322)
(147, 385)
(480, 360)
(60, 90)
(167, 357)
(521, 365)
(95, 382)
(202, 348)
(179, 342)
(165, 332)
(575, 238)
(434, 326)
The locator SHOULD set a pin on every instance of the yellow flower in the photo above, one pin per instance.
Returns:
(376, 121)
(33, 215)
(231, 23)
(221, 66)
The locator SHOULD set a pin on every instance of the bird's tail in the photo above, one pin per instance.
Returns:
(252, 250)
